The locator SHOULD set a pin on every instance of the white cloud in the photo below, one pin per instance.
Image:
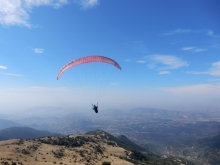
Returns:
(195, 96)
(3, 67)
(167, 62)
(164, 72)
(15, 12)
(194, 72)
(38, 50)
(12, 13)
(194, 89)
(188, 48)
(211, 34)
(54, 3)
(193, 49)
(199, 50)
(141, 61)
(87, 3)
(214, 70)
(12, 74)
(182, 31)
(128, 60)
(178, 31)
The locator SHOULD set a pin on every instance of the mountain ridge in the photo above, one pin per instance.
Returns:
(4, 123)
(24, 133)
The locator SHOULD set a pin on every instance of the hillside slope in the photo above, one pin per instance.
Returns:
(91, 149)
(125, 140)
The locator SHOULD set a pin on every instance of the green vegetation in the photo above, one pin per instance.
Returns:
(65, 141)
(59, 153)
(106, 163)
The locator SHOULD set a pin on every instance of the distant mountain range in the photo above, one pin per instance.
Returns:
(24, 133)
(7, 124)
(3, 138)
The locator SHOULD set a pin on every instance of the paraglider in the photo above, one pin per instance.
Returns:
(85, 60)
(95, 108)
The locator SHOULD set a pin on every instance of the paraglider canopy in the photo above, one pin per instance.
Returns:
(88, 59)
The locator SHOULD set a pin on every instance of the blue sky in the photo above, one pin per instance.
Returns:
(168, 50)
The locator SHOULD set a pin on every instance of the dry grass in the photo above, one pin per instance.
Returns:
(36, 152)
